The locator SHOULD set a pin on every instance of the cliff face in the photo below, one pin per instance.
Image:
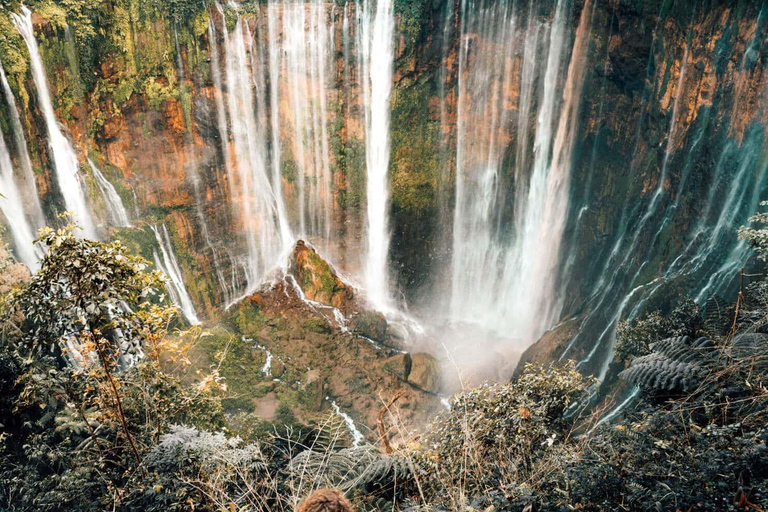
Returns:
(662, 145)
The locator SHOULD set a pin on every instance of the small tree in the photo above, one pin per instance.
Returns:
(87, 310)
(757, 236)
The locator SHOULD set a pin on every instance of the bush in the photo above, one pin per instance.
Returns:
(499, 435)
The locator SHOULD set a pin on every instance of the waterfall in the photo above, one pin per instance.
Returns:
(710, 256)
(276, 81)
(506, 278)
(377, 61)
(303, 73)
(27, 184)
(169, 266)
(118, 215)
(261, 203)
(12, 206)
(63, 155)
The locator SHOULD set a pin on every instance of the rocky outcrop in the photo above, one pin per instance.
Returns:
(318, 280)
(322, 360)
(549, 347)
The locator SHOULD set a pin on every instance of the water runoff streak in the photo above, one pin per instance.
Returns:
(168, 265)
(116, 211)
(12, 207)
(709, 260)
(258, 198)
(63, 155)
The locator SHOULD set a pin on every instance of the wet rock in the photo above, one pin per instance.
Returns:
(399, 366)
(549, 347)
(318, 280)
(370, 324)
(425, 372)
(277, 368)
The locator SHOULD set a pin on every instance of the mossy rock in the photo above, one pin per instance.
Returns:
(316, 325)
(370, 324)
(425, 372)
(312, 391)
(317, 279)
(277, 368)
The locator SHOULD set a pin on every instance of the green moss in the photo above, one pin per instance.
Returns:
(157, 93)
(239, 364)
(415, 151)
(317, 325)
(289, 170)
(249, 319)
(349, 161)
(318, 267)
(124, 90)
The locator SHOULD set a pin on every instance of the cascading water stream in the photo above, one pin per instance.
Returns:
(711, 256)
(118, 215)
(12, 207)
(507, 280)
(170, 267)
(260, 201)
(27, 184)
(377, 61)
(63, 155)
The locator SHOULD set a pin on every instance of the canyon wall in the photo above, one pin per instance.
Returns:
(547, 160)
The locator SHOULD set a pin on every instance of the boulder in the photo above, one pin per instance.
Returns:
(425, 372)
(399, 366)
(370, 324)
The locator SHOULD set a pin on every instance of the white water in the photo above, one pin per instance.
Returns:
(12, 207)
(170, 267)
(118, 215)
(357, 436)
(261, 209)
(377, 62)
(267, 368)
(276, 80)
(710, 260)
(501, 279)
(26, 180)
(63, 155)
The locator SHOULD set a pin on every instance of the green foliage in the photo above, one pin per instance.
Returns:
(498, 433)
(248, 318)
(157, 93)
(85, 406)
(633, 338)
(239, 363)
(757, 237)
(414, 15)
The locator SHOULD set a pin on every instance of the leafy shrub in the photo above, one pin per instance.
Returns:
(499, 434)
